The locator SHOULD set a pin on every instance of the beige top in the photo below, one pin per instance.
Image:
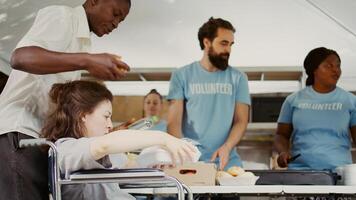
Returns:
(24, 100)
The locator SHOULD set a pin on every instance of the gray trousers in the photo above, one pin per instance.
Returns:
(23, 172)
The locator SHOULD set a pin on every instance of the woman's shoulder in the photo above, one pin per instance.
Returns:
(295, 96)
(163, 123)
(71, 140)
(346, 93)
(347, 96)
(160, 126)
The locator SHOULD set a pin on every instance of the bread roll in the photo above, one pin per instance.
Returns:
(223, 174)
(235, 171)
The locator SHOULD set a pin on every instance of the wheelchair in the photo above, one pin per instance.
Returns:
(135, 177)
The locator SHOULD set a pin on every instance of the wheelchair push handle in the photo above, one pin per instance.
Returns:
(32, 142)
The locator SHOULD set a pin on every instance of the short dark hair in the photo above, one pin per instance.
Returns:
(314, 58)
(72, 101)
(209, 29)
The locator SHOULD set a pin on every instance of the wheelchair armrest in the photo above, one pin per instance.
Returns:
(32, 142)
(125, 170)
(117, 173)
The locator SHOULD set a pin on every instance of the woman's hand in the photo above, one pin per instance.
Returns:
(180, 150)
(283, 158)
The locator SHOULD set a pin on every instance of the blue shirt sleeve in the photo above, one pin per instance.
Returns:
(353, 113)
(285, 116)
(176, 86)
(242, 93)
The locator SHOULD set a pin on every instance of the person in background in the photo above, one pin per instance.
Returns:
(209, 100)
(317, 122)
(152, 106)
(79, 123)
(54, 50)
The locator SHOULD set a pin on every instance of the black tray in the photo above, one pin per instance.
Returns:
(295, 177)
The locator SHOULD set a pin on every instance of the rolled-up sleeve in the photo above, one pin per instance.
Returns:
(74, 154)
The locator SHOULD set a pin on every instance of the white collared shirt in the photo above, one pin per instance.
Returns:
(24, 100)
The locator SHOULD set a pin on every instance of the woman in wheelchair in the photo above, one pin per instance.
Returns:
(80, 122)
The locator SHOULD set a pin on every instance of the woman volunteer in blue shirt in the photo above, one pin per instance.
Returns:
(152, 106)
(317, 121)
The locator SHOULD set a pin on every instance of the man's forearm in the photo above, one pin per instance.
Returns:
(174, 126)
(37, 60)
(175, 130)
(175, 115)
(236, 134)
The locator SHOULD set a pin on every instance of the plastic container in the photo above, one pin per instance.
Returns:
(349, 174)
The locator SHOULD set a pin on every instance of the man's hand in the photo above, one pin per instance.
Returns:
(224, 154)
(283, 158)
(106, 66)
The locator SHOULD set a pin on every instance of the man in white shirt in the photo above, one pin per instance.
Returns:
(53, 51)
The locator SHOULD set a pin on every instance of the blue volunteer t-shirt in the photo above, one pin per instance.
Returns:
(160, 126)
(321, 124)
(209, 104)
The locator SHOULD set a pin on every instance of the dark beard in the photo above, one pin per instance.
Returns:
(219, 60)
